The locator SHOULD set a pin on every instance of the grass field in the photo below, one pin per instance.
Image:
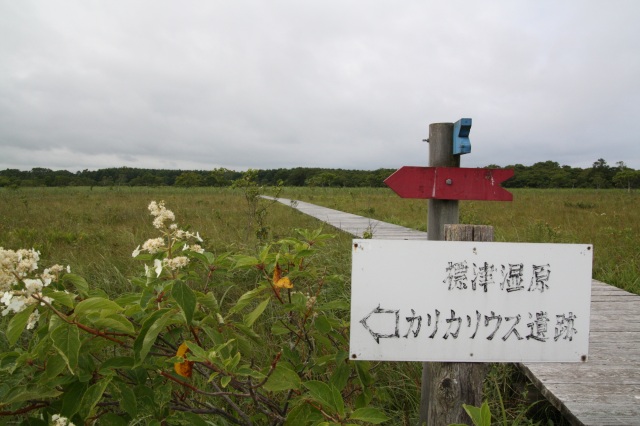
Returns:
(608, 219)
(95, 231)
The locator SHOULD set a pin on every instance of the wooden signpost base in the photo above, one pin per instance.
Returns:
(448, 385)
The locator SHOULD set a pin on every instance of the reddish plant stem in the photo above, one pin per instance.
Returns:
(26, 409)
(81, 326)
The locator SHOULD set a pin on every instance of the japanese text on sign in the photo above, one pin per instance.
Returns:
(450, 326)
(470, 301)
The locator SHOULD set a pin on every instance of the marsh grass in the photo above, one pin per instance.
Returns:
(95, 231)
(608, 219)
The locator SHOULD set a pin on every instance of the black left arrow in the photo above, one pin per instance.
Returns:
(378, 336)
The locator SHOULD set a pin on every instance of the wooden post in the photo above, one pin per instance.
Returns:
(446, 386)
(441, 212)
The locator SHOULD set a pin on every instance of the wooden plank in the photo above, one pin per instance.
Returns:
(563, 373)
(614, 327)
(610, 315)
(604, 336)
(591, 403)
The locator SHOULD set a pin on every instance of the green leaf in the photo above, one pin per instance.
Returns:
(125, 362)
(201, 257)
(72, 397)
(245, 299)
(151, 327)
(369, 415)
(78, 282)
(282, 378)
(362, 368)
(224, 381)
(93, 396)
(115, 322)
(250, 318)
(101, 305)
(190, 418)
(23, 393)
(186, 298)
(278, 329)
(209, 301)
(481, 416)
(364, 399)
(338, 401)
(55, 365)
(334, 305)
(66, 339)
(304, 253)
(245, 261)
(18, 323)
(248, 332)
(340, 376)
(65, 299)
(322, 324)
(112, 419)
(128, 299)
(326, 395)
(303, 414)
(161, 394)
(8, 361)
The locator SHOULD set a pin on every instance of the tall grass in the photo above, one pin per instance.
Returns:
(608, 219)
(95, 230)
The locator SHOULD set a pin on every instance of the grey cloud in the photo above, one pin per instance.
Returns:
(331, 84)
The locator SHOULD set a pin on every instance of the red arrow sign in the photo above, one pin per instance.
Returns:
(450, 183)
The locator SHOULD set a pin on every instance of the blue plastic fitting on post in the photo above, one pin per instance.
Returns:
(461, 130)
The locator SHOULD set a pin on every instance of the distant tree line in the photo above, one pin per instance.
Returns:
(547, 174)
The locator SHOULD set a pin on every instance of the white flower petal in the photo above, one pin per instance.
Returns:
(157, 266)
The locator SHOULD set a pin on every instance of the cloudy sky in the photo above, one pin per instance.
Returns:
(354, 84)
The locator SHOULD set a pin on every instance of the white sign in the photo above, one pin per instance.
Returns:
(470, 301)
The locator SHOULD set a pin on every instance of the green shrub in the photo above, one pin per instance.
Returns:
(229, 338)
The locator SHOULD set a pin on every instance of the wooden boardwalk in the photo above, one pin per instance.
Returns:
(603, 391)
(606, 389)
(354, 224)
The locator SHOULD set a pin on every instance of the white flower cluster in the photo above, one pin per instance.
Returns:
(153, 245)
(186, 235)
(194, 247)
(59, 420)
(161, 213)
(19, 284)
(172, 234)
(173, 264)
(311, 301)
(16, 265)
